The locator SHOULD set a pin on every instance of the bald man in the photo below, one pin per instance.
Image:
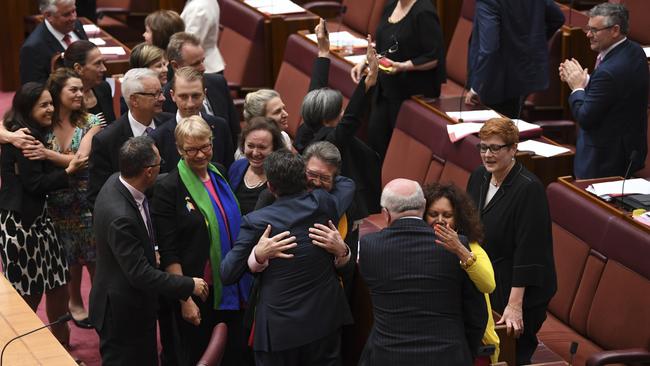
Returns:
(425, 307)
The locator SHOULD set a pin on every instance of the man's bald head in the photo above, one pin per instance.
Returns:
(403, 197)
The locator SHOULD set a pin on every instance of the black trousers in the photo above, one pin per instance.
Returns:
(322, 352)
(510, 108)
(382, 122)
(527, 341)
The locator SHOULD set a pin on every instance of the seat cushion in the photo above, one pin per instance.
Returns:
(557, 336)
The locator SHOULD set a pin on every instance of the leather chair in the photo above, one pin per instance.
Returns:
(355, 16)
(123, 19)
(214, 352)
(457, 52)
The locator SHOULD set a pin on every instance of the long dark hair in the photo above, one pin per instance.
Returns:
(55, 85)
(20, 114)
(76, 53)
(466, 216)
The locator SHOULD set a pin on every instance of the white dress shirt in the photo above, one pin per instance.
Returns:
(137, 127)
(201, 18)
(59, 36)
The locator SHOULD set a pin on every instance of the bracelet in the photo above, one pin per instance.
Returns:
(469, 262)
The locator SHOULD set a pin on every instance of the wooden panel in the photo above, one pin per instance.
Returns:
(13, 29)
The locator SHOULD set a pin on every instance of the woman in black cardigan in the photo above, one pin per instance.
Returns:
(514, 211)
(32, 258)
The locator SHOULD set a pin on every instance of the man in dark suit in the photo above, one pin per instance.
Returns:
(426, 310)
(508, 52)
(185, 49)
(610, 106)
(301, 304)
(123, 298)
(59, 29)
(188, 92)
(141, 90)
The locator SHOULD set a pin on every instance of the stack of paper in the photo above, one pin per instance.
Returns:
(355, 59)
(119, 51)
(541, 148)
(647, 51)
(91, 29)
(97, 41)
(274, 7)
(474, 116)
(632, 186)
(342, 40)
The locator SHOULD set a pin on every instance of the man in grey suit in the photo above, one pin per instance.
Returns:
(426, 310)
(124, 296)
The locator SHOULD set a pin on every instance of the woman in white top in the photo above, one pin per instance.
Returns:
(201, 18)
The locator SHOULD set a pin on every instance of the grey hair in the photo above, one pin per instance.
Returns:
(135, 155)
(325, 151)
(255, 103)
(176, 43)
(321, 105)
(396, 203)
(49, 6)
(132, 82)
(615, 14)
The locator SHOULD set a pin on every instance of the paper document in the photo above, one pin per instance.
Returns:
(97, 41)
(474, 116)
(647, 51)
(632, 186)
(273, 7)
(541, 148)
(355, 59)
(112, 51)
(91, 29)
(342, 40)
(458, 131)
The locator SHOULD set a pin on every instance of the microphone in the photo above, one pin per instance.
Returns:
(460, 105)
(572, 351)
(62, 319)
(627, 173)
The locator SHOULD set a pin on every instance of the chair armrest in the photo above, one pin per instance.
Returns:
(626, 356)
(326, 9)
(214, 352)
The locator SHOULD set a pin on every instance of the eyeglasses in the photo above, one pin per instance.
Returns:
(325, 179)
(392, 49)
(161, 162)
(193, 151)
(593, 30)
(156, 95)
(483, 148)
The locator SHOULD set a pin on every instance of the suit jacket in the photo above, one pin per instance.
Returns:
(37, 51)
(218, 95)
(105, 100)
(125, 277)
(518, 237)
(612, 114)
(25, 183)
(508, 57)
(222, 148)
(425, 306)
(104, 153)
(300, 299)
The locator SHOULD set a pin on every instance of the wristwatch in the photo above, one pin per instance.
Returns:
(469, 262)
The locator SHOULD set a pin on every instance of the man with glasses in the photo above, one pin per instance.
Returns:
(188, 92)
(59, 29)
(610, 105)
(142, 93)
(508, 52)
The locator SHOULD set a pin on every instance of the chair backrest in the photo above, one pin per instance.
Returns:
(639, 30)
(214, 352)
(457, 52)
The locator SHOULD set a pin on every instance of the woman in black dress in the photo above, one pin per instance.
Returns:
(409, 39)
(32, 258)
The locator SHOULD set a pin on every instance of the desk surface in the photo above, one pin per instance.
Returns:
(39, 348)
(115, 64)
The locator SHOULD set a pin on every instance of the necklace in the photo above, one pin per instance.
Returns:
(495, 182)
(252, 185)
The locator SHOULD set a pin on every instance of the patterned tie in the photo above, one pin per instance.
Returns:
(152, 235)
(599, 58)
(148, 131)
(67, 40)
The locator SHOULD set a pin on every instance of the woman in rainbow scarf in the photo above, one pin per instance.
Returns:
(197, 218)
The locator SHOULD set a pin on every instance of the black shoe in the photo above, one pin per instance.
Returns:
(83, 323)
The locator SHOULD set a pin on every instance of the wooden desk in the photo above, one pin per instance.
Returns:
(115, 64)
(39, 348)
(546, 169)
(580, 186)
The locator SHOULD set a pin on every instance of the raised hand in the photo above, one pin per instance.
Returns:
(323, 38)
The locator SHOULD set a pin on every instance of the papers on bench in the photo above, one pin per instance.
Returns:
(97, 41)
(458, 131)
(342, 40)
(112, 51)
(632, 186)
(647, 51)
(474, 116)
(91, 29)
(541, 148)
(274, 7)
(355, 59)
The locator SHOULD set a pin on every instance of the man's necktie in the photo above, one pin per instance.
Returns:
(148, 131)
(67, 40)
(152, 235)
(598, 60)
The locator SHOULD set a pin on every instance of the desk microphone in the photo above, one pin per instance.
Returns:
(460, 105)
(62, 319)
(627, 173)
(572, 352)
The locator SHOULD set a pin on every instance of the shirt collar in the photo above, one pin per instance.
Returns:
(410, 217)
(58, 35)
(604, 53)
(137, 195)
(137, 127)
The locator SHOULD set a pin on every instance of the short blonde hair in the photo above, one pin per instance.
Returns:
(145, 55)
(193, 127)
(188, 74)
(500, 127)
(255, 103)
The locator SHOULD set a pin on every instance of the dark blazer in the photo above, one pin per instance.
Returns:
(105, 101)
(425, 306)
(300, 299)
(218, 95)
(222, 147)
(612, 114)
(104, 159)
(25, 183)
(37, 52)
(126, 284)
(518, 236)
(508, 50)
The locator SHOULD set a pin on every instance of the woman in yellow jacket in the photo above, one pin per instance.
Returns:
(450, 211)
